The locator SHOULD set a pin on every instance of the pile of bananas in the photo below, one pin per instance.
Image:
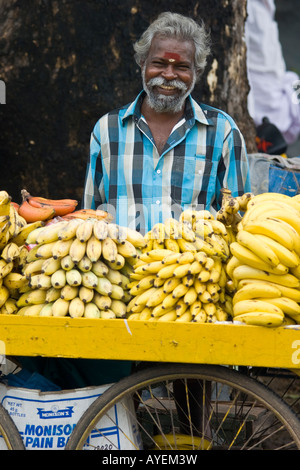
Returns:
(180, 275)
(264, 269)
(78, 268)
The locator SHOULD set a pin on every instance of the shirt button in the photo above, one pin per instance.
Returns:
(158, 172)
(157, 202)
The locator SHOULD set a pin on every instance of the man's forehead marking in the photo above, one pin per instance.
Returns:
(172, 56)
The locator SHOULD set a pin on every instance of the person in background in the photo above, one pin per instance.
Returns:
(272, 87)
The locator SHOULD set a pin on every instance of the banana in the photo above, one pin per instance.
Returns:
(199, 286)
(204, 275)
(203, 229)
(69, 292)
(195, 307)
(50, 265)
(231, 265)
(205, 297)
(290, 292)
(89, 279)
(179, 291)
(167, 272)
(273, 229)
(231, 205)
(158, 254)
(119, 308)
(286, 257)
(103, 302)
(77, 250)
(260, 249)
(32, 297)
(187, 280)
(135, 238)
(171, 258)
(93, 248)
(195, 267)
(34, 267)
(104, 286)
(76, 308)
(59, 278)
(114, 276)
(186, 231)
(171, 244)
(73, 277)
(243, 200)
(190, 296)
(28, 233)
(84, 293)
(61, 248)
(288, 306)
(171, 229)
(169, 301)
(184, 245)
(49, 233)
(100, 268)
(261, 319)
(61, 206)
(210, 309)
(14, 280)
(275, 198)
(85, 264)
(91, 311)
(31, 310)
(119, 262)
(143, 284)
(45, 251)
(156, 298)
(46, 310)
(116, 233)
(10, 252)
(221, 315)
(60, 307)
(263, 208)
(109, 250)
(52, 294)
(145, 314)
(255, 290)
(216, 270)
(127, 249)
(169, 316)
(182, 270)
(67, 263)
(247, 256)
(100, 230)
(248, 272)
(170, 284)
(206, 247)
(33, 214)
(214, 290)
(4, 235)
(9, 307)
(255, 305)
(200, 317)
(85, 230)
(150, 268)
(68, 231)
(5, 268)
(21, 261)
(40, 281)
(143, 297)
(188, 215)
(4, 295)
(186, 317)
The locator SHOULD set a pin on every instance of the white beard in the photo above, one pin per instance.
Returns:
(163, 103)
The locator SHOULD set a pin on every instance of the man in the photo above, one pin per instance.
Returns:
(164, 152)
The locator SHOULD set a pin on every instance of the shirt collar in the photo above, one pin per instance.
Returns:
(193, 110)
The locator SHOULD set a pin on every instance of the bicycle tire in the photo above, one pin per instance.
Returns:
(9, 431)
(271, 406)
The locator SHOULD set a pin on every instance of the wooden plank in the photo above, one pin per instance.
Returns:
(150, 341)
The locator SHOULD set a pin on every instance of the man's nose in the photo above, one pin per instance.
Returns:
(169, 72)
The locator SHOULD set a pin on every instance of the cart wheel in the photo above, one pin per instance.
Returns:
(188, 406)
(9, 431)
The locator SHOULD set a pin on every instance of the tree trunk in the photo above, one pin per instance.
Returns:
(65, 63)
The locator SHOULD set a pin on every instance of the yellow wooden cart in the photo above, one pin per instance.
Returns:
(201, 392)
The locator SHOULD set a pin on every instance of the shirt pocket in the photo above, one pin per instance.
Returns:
(190, 177)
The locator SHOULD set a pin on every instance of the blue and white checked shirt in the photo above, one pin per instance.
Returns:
(127, 177)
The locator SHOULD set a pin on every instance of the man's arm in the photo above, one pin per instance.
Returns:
(93, 177)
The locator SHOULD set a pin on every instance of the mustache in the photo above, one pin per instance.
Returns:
(158, 81)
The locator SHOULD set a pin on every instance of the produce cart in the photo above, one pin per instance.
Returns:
(189, 353)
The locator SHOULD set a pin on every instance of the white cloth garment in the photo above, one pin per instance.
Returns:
(272, 91)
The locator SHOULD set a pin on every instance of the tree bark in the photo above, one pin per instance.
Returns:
(65, 63)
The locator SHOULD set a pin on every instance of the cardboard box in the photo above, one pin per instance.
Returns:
(46, 419)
